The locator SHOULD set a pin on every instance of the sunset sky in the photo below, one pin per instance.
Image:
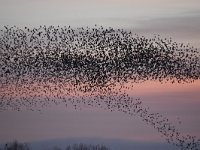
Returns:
(179, 19)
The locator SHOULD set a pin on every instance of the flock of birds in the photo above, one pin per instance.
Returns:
(81, 67)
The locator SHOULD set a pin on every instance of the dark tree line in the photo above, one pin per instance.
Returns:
(15, 146)
(22, 146)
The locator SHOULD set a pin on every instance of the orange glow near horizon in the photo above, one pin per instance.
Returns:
(154, 87)
(61, 90)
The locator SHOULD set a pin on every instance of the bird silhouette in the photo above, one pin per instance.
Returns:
(89, 67)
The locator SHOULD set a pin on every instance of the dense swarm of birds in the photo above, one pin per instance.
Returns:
(89, 67)
(93, 56)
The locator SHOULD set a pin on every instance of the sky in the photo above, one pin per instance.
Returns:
(179, 19)
(36, 12)
(171, 18)
(58, 125)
